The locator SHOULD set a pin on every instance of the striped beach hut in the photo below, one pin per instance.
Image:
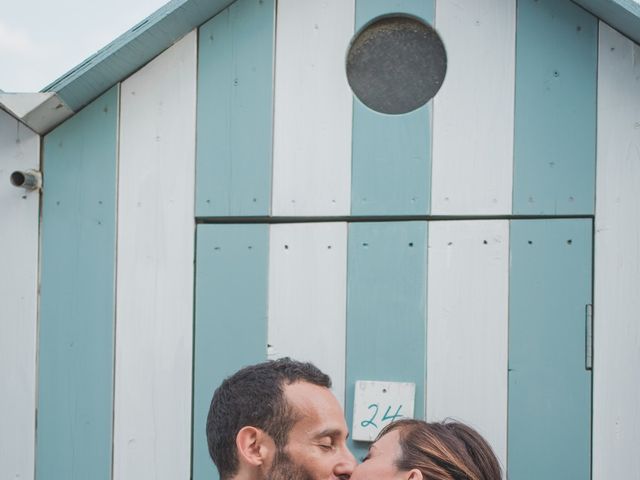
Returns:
(208, 191)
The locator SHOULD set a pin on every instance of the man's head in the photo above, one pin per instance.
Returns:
(278, 419)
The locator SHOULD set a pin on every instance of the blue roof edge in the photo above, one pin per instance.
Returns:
(132, 50)
(623, 15)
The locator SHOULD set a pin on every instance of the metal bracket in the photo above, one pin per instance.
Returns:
(588, 354)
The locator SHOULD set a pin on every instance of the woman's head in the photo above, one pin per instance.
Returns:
(416, 450)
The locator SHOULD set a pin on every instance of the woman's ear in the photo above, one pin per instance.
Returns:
(255, 447)
(415, 474)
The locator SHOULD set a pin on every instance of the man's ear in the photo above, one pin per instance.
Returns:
(255, 447)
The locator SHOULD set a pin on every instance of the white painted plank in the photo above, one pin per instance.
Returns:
(467, 329)
(312, 109)
(152, 408)
(19, 150)
(474, 110)
(616, 379)
(308, 295)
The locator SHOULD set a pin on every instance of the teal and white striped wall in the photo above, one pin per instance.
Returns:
(232, 201)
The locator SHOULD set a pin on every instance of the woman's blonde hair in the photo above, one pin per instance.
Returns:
(444, 451)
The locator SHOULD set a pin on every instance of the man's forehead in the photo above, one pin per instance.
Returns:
(307, 395)
(317, 407)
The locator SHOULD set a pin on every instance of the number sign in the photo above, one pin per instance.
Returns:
(377, 404)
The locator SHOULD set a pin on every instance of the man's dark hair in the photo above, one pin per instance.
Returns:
(254, 396)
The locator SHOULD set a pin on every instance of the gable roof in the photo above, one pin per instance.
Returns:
(68, 94)
(163, 28)
(133, 49)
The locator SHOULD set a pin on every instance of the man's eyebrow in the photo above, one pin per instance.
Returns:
(330, 432)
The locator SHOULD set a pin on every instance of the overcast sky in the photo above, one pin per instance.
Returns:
(40, 40)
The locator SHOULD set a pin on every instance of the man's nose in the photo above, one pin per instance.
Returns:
(345, 466)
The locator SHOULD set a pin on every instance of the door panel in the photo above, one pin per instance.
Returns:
(468, 313)
(386, 308)
(307, 296)
(230, 317)
(549, 427)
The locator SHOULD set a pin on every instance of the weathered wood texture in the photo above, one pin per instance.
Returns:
(230, 318)
(473, 112)
(391, 171)
(549, 431)
(307, 296)
(19, 150)
(152, 432)
(77, 303)
(387, 307)
(555, 109)
(467, 346)
(235, 111)
(616, 389)
(313, 108)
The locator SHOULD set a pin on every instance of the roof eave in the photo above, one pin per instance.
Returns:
(39, 111)
(623, 15)
(132, 50)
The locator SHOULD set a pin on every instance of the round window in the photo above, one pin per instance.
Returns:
(396, 64)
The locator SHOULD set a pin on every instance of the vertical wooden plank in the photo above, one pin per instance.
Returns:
(473, 112)
(152, 424)
(549, 387)
(313, 108)
(307, 293)
(616, 391)
(555, 111)
(391, 172)
(235, 110)
(19, 150)
(77, 304)
(468, 326)
(386, 326)
(231, 313)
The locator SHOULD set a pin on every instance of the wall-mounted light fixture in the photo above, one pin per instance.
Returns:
(27, 179)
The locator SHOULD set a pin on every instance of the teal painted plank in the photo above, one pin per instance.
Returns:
(77, 301)
(235, 111)
(386, 308)
(368, 10)
(230, 317)
(391, 154)
(555, 108)
(549, 421)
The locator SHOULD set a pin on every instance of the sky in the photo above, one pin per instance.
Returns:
(41, 40)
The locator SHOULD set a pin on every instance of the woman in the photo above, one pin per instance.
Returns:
(416, 450)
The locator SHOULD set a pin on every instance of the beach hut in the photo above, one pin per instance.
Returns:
(207, 191)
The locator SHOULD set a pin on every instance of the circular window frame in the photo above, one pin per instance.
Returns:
(377, 101)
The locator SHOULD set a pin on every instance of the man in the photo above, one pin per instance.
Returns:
(278, 420)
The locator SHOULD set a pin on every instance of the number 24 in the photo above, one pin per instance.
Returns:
(386, 416)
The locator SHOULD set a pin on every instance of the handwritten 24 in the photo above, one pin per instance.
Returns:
(373, 419)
